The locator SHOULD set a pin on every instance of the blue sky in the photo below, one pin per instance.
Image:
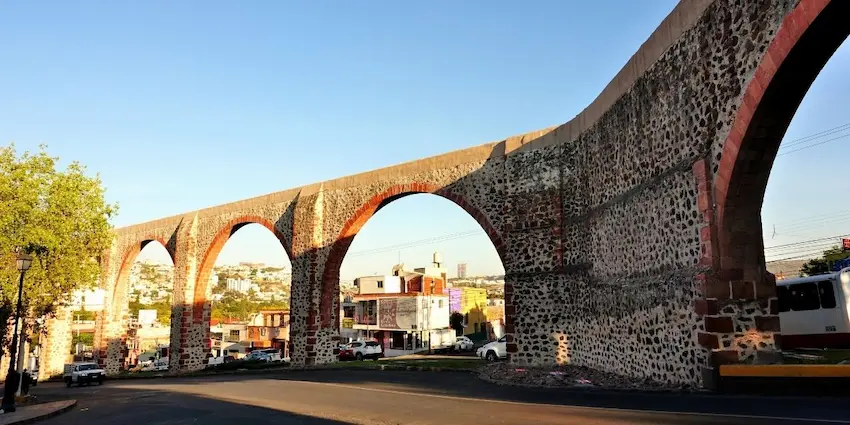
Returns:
(183, 105)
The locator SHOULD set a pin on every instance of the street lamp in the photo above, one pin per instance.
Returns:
(12, 378)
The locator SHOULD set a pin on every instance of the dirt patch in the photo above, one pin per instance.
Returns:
(569, 377)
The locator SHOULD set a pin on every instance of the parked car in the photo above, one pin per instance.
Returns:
(463, 343)
(494, 351)
(83, 373)
(159, 365)
(267, 355)
(360, 350)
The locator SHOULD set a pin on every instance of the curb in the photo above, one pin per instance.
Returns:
(287, 369)
(71, 405)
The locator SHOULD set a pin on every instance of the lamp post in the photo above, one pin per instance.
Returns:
(12, 377)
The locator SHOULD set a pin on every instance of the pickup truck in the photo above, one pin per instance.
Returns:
(83, 373)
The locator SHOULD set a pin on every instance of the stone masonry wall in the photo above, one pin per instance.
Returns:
(55, 351)
(632, 229)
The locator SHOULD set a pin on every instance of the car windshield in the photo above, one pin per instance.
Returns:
(86, 367)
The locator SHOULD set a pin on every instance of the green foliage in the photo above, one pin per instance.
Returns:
(84, 315)
(824, 264)
(60, 217)
(221, 285)
(456, 322)
(239, 306)
(162, 307)
(81, 338)
(814, 267)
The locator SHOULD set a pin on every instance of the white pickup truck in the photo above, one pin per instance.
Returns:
(83, 373)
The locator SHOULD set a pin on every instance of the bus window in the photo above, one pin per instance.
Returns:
(827, 295)
(784, 298)
(804, 297)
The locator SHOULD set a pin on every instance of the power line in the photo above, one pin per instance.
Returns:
(816, 217)
(827, 132)
(813, 145)
(805, 242)
(411, 244)
(798, 257)
(803, 226)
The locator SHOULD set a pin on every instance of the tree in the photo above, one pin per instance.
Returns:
(221, 285)
(81, 338)
(240, 306)
(84, 315)
(58, 216)
(814, 267)
(456, 322)
(824, 264)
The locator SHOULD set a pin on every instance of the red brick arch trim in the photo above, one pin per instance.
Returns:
(731, 239)
(793, 27)
(330, 277)
(211, 255)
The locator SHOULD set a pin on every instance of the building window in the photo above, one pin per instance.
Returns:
(440, 304)
(262, 331)
(380, 284)
(234, 335)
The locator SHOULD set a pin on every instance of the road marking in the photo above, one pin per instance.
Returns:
(522, 403)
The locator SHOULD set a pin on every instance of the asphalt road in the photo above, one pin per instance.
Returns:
(383, 397)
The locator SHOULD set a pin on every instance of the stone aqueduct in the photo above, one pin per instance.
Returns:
(631, 235)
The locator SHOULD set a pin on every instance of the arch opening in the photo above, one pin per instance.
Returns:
(139, 310)
(801, 49)
(242, 294)
(406, 263)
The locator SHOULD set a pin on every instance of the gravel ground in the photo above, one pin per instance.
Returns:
(568, 377)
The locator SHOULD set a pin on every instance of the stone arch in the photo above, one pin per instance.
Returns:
(805, 41)
(109, 329)
(199, 297)
(128, 258)
(330, 276)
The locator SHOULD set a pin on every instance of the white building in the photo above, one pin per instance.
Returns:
(401, 321)
(399, 312)
(147, 317)
(88, 299)
(378, 285)
(241, 285)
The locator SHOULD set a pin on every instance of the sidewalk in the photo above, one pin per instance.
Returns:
(36, 412)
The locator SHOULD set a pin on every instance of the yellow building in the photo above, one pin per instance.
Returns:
(473, 303)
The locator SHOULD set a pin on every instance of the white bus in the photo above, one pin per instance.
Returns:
(814, 311)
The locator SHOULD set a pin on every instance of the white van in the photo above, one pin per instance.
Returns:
(814, 311)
